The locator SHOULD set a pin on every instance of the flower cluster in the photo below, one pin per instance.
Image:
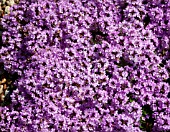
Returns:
(87, 65)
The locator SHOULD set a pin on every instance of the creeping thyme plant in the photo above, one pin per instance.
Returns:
(86, 65)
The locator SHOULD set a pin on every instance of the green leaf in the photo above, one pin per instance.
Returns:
(144, 112)
(131, 100)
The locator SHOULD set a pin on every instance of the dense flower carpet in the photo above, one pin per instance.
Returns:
(85, 66)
